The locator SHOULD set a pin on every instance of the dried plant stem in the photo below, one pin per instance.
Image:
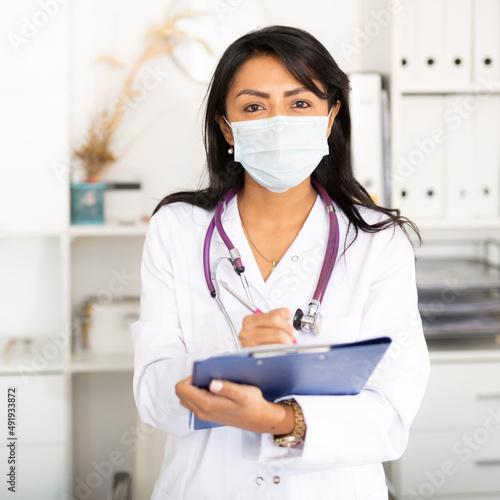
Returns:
(96, 153)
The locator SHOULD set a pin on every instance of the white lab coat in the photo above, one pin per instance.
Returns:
(372, 293)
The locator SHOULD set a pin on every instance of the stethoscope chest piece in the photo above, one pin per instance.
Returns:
(310, 322)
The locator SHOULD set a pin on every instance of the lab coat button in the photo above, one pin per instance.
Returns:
(259, 480)
(295, 258)
(276, 479)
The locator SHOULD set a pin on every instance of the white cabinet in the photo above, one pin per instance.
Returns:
(458, 462)
(34, 438)
(464, 393)
(454, 446)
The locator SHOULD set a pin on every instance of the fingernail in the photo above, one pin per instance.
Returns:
(294, 341)
(216, 386)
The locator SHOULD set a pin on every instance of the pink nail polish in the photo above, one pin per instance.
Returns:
(216, 386)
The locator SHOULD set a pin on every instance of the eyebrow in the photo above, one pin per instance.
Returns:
(265, 95)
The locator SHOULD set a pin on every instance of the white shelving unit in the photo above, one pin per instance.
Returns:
(138, 229)
(454, 441)
(101, 383)
(55, 380)
(439, 60)
(445, 101)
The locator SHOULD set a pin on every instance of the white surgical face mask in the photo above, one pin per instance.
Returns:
(282, 151)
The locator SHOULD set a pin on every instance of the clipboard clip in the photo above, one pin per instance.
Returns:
(293, 350)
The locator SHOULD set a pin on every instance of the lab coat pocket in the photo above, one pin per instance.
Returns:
(339, 329)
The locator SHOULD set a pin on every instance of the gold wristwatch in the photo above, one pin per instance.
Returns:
(299, 431)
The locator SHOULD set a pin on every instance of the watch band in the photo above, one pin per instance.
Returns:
(299, 430)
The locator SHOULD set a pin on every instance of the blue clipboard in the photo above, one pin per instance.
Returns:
(285, 370)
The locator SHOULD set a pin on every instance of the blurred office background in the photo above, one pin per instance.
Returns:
(426, 127)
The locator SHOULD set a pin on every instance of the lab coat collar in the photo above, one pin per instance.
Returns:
(313, 234)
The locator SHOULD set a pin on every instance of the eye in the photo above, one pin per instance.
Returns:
(301, 104)
(252, 108)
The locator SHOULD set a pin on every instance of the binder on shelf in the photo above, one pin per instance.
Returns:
(283, 370)
(457, 63)
(459, 164)
(406, 41)
(386, 146)
(487, 40)
(417, 176)
(365, 103)
(430, 43)
(486, 158)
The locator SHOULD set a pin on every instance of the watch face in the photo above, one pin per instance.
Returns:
(288, 441)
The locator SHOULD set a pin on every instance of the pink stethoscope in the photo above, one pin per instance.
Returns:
(309, 322)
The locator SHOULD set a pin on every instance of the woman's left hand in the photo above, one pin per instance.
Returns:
(236, 405)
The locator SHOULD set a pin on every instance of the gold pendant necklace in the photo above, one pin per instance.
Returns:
(274, 262)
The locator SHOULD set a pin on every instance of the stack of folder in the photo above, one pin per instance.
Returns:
(448, 45)
(447, 75)
(448, 165)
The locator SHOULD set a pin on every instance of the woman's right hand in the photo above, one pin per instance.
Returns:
(274, 327)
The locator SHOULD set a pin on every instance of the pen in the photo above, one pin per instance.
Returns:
(244, 301)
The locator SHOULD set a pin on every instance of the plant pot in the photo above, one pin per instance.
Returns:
(87, 202)
(123, 202)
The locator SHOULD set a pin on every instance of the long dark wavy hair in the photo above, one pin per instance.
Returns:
(306, 59)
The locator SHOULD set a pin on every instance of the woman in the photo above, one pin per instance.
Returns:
(277, 121)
